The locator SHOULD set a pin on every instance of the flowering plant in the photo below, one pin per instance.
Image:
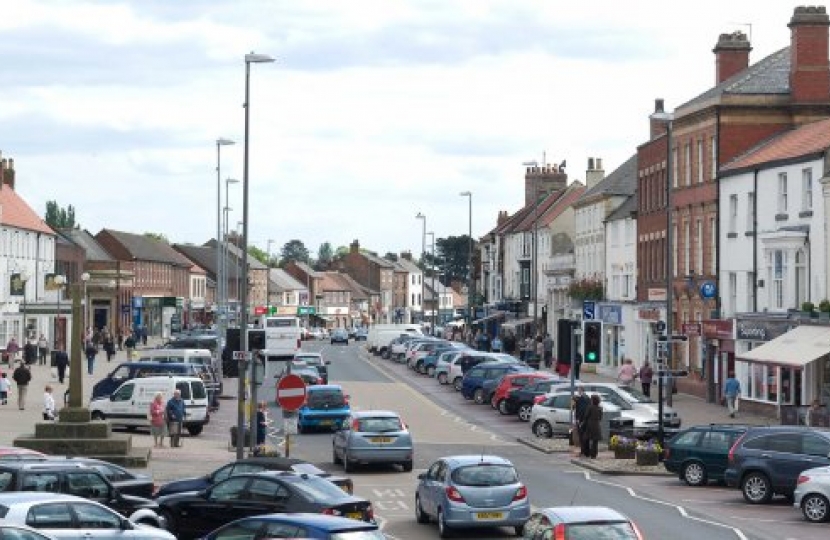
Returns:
(649, 446)
(586, 289)
(264, 450)
(618, 442)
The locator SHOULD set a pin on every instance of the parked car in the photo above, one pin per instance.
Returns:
(21, 532)
(426, 365)
(521, 400)
(580, 522)
(514, 381)
(360, 334)
(373, 437)
(767, 461)
(467, 361)
(326, 406)
(69, 517)
(812, 494)
(253, 465)
(470, 492)
(127, 482)
(339, 335)
(552, 416)
(418, 351)
(309, 374)
(701, 453)
(314, 526)
(316, 360)
(194, 514)
(473, 382)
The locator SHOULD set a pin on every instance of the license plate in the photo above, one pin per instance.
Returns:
(326, 422)
(489, 515)
(354, 515)
(381, 440)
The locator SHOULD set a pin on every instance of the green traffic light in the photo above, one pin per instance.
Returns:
(592, 357)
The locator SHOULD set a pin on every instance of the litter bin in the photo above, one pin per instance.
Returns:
(624, 427)
(235, 434)
(605, 426)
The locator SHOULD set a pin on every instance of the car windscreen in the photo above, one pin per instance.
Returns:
(310, 360)
(601, 531)
(318, 489)
(379, 424)
(326, 398)
(358, 535)
(485, 475)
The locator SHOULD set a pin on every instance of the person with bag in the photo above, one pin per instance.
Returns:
(22, 376)
(175, 412)
(48, 404)
(580, 408)
(91, 352)
(627, 374)
(157, 420)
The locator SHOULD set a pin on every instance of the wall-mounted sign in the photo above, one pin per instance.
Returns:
(17, 287)
(708, 289)
(657, 295)
(760, 330)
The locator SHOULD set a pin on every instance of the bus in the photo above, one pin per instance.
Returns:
(283, 335)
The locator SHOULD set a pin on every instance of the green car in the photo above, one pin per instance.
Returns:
(700, 453)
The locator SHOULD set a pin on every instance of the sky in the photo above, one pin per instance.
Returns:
(374, 110)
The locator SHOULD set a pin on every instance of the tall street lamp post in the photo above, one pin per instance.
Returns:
(60, 281)
(470, 292)
(251, 58)
(432, 271)
(423, 219)
(220, 326)
(225, 280)
(268, 277)
(84, 279)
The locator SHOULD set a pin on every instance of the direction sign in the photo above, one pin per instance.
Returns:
(291, 392)
(589, 308)
(241, 355)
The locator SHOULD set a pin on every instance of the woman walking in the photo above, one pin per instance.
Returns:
(157, 420)
(592, 433)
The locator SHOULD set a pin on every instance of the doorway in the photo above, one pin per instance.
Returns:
(100, 317)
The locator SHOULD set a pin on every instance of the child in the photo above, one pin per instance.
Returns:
(48, 404)
(5, 385)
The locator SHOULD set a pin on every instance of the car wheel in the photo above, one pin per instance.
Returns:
(694, 474)
(98, 415)
(442, 378)
(458, 383)
(478, 396)
(502, 407)
(407, 466)
(525, 409)
(194, 430)
(419, 367)
(420, 515)
(815, 508)
(168, 520)
(756, 488)
(431, 371)
(519, 530)
(444, 530)
(542, 429)
(334, 459)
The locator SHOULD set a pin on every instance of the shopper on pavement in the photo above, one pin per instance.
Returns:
(61, 361)
(109, 346)
(592, 431)
(580, 408)
(30, 352)
(42, 349)
(22, 376)
(157, 420)
(129, 344)
(175, 411)
(646, 376)
(548, 350)
(91, 351)
(5, 386)
(48, 404)
(261, 423)
(732, 393)
(12, 348)
(627, 373)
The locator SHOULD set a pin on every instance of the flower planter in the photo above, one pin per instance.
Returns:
(647, 458)
(623, 453)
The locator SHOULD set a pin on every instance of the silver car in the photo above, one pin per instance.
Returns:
(373, 437)
(71, 517)
(21, 532)
(471, 492)
(552, 416)
(812, 494)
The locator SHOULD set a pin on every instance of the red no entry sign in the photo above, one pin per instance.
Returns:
(291, 392)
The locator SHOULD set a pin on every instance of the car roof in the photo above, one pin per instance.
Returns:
(272, 461)
(580, 514)
(322, 387)
(474, 459)
(824, 432)
(318, 521)
(16, 497)
(375, 414)
(307, 354)
(43, 464)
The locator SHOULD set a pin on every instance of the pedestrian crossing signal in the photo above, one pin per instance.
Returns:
(592, 340)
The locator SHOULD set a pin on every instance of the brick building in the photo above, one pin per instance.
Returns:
(376, 274)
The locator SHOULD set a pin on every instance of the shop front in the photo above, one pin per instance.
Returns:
(719, 354)
(643, 335)
(613, 346)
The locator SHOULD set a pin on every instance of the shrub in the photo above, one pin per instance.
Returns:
(650, 445)
(619, 442)
(824, 306)
(808, 307)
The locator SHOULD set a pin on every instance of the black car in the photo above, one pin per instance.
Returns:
(339, 335)
(253, 465)
(767, 461)
(701, 453)
(127, 482)
(72, 479)
(521, 400)
(194, 514)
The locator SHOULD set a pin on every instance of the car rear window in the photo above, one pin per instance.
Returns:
(326, 398)
(198, 390)
(605, 530)
(380, 424)
(485, 475)
(318, 489)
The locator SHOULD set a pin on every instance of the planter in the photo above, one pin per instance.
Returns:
(624, 453)
(648, 458)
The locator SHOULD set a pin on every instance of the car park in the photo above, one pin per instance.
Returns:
(580, 522)
(69, 517)
(370, 437)
(326, 407)
(472, 386)
(768, 460)
(194, 514)
(521, 400)
(812, 494)
(316, 360)
(253, 465)
(552, 416)
(701, 453)
(299, 525)
(471, 491)
(512, 382)
(339, 335)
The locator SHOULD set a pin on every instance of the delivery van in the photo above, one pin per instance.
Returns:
(129, 405)
(204, 357)
(380, 335)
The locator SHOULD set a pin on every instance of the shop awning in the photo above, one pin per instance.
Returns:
(490, 317)
(518, 322)
(797, 348)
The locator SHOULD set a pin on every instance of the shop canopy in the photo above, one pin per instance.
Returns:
(490, 317)
(517, 323)
(797, 348)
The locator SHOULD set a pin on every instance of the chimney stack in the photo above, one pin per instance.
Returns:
(809, 64)
(406, 255)
(542, 181)
(7, 172)
(594, 175)
(354, 247)
(731, 55)
(657, 126)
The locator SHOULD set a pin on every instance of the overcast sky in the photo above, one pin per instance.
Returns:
(374, 110)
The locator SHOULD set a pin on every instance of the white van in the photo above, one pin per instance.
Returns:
(202, 357)
(381, 334)
(130, 403)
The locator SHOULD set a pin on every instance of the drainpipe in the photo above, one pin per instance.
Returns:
(755, 240)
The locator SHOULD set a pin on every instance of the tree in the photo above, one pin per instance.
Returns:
(452, 257)
(161, 237)
(391, 257)
(294, 250)
(324, 256)
(258, 254)
(60, 218)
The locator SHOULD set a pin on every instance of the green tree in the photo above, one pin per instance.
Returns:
(161, 237)
(324, 256)
(452, 257)
(294, 250)
(391, 256)
(60, 218)
(258, 254)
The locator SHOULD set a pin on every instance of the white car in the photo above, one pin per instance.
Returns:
(552, 416)
(70, 517)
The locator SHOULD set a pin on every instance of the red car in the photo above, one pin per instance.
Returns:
(14, 452)
(514, 381)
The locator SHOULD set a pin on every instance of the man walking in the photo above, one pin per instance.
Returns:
(646, 376)
(175, 411)
(42, 349)
(732, 392)
(61, 361)
(548, 350)
(22, 376)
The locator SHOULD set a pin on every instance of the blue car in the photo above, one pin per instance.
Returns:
(326, 406)
(472, 386)
(317, 526)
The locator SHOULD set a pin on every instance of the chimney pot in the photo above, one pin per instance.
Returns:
(731, 55)
(590, 164)
(809, 63)
(658, 105)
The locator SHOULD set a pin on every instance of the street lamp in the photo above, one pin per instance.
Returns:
(469, 195)
(84, 279)
(268, 277)
(59, 281)
(423, 219)
(220, 142)
(434, 295)
(251, 58)
(225, 302)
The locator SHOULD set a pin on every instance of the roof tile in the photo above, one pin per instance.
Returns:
(812, 138)
(18, 214)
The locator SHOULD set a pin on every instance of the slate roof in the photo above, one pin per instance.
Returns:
(380, 261)
(333, 281)
(408, 266)
(308, 270)
(770, 75)
(253, 262)
(18, 214)
(84, 239)
(285, 281)
(205, 257)
(802, 142)
(623, 181)
(144, 248)
(359, 292)
(625, 210)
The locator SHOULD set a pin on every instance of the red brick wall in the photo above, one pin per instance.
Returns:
(651, 216)
(809, 75)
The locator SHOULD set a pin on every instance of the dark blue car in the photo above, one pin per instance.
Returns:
(472, 387)
(321, 527)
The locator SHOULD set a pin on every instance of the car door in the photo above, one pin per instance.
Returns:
(428, 488)
(341, 436)
(714, 451)
(561, 413)
(265, 496)
(122, 402)
(196, 516)
(814, 453)
(89, 485)
(100, 523)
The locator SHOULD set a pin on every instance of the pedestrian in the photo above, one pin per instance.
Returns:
(646, 375)
(42, 349)
(109, 346)
(592, 432)
(627, 373)
(48, 404)
(157, 420)
(261, 423)
(175, 417)
(12, 348)
(129, 344)
(61, 361)
(21, 377)
(5, 386)
(91, 351)
(540, 351)
(816, 417)
(580, 405)
(496, 344)
(144, 335)
(510, 343)
(732, 393)
(30, 352)
(120, 339)
(548, 350)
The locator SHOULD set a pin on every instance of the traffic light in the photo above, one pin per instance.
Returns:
(563, 340)
(256, 340)
(592, 340)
